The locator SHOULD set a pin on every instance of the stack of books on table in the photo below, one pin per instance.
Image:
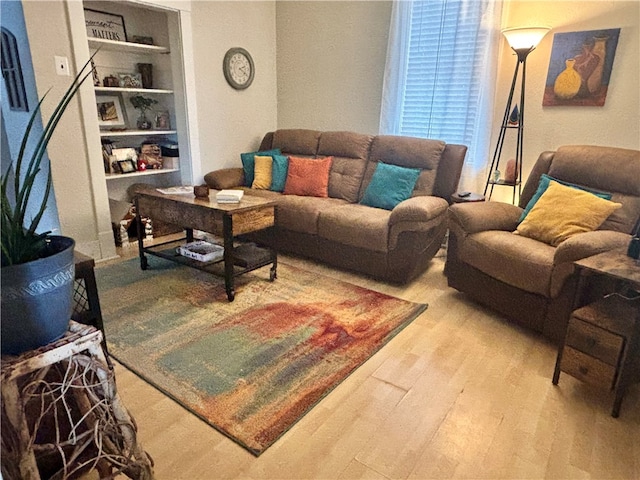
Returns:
(202, 251)
(229, 196)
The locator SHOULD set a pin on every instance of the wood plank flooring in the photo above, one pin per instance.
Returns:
(459, 393)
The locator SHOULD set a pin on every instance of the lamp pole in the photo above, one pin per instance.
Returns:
(522, 41)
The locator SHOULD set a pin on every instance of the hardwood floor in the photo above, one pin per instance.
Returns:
(459, 393)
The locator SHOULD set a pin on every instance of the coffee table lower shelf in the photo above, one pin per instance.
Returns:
(244, 258)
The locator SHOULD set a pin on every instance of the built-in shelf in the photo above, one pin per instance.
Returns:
(120, 176)
(131, 90)
(132, 133)
(127, 47)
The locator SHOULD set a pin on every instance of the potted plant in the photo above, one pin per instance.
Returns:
(143, 104)
(37, 267)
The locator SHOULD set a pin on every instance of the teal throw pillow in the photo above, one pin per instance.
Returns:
(389, 186)
(249, 163)
(544, 184)
(279, 170)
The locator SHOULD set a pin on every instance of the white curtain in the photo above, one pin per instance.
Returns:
(440, 76)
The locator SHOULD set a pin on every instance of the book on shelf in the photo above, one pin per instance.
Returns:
(229, 196)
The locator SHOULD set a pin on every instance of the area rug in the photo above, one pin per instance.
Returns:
(253, 367)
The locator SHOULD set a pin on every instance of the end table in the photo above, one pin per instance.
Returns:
(472, 197)
(602, 343)
(62, 416)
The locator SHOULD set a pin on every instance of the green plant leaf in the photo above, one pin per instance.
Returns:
(20, 243)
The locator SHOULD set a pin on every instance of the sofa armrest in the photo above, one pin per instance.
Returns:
(586, 244)
(481, 216)
(418, 209)
(225, 178)
(416, 214)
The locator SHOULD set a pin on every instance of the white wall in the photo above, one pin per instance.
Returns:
(331, 58)
(233, 121)
(47, 27)
(617, 123)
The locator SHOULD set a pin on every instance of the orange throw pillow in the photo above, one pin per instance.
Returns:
(308, 177)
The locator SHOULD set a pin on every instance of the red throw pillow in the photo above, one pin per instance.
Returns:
(308, 176)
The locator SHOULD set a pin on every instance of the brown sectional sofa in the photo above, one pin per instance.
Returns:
(394, 245)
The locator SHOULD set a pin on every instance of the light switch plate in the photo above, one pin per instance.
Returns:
(62, 65)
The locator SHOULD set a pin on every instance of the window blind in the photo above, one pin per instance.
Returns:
(442, 88)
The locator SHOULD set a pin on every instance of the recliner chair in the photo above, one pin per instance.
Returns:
(528, 281)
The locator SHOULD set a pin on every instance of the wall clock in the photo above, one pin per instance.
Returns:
(238, 68)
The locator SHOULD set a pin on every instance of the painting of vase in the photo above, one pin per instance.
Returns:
(580, 68)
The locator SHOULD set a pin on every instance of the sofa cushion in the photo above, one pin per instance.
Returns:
(544, 184)
(406, 152)
(515, 260)
(345, 178)
(280, 167)
(623, 219)
(389, 186)
(271, 195)
(583, 165)
(301, 214)
(563, 212)
(349, 151)
(356, 225)
(248, 163)
(296, 141)
(308, 176)
(262, 172)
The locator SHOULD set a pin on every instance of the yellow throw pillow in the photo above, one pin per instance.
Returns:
(563, 212)
(262, 171)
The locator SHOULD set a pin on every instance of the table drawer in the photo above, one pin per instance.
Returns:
(594, 341)
(586, 368)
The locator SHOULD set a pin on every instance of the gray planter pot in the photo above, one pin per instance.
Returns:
(37, 299)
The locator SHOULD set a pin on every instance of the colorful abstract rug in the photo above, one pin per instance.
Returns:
(253, 367)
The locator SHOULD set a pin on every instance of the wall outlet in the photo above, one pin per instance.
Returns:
(62, 65)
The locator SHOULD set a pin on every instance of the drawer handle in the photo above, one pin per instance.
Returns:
(583, 370)
(591, 342)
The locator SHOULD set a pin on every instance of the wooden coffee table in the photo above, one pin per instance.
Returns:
(224, 219)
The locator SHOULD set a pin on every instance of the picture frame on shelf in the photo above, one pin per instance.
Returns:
(163, 120)
(111, 112)
(104, 25)
(130, 80)
(127, 166)
(127, 153)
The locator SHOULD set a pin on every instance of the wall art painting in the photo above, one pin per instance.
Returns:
(580, 68)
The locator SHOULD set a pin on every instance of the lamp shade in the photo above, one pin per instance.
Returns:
(525, 37)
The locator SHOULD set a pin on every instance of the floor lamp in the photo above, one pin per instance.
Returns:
(522, 41)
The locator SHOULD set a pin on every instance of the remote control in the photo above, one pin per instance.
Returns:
(464, 194)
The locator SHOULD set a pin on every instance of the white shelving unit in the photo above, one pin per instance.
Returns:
(111, 177)
(131, 90)
(112, 59)
(173, 86)
(134, 133)
(125, 47)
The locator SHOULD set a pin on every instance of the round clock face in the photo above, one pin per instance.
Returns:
(238, 68)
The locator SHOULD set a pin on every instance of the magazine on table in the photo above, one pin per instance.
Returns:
(179, 190)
